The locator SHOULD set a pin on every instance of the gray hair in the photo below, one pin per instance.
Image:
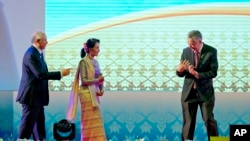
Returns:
(194, 34)
(38, 35)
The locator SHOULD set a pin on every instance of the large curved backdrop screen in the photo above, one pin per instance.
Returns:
(141, 41)
(141, 44)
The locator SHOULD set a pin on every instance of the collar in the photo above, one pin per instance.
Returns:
(40, 51)
(201, 48)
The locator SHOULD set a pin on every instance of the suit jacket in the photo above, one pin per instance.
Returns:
(33, 89)
(207, 68)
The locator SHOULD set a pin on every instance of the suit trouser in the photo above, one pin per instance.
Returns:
(32, 122)
(189, 110)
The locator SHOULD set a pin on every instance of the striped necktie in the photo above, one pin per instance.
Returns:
(196, 58)
(196, 61)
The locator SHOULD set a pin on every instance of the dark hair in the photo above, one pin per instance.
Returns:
(90, 44)
(195, 34)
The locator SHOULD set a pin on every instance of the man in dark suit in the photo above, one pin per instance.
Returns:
(33, 92)
(199, 66)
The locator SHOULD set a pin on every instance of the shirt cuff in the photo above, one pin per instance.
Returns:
(61, 74)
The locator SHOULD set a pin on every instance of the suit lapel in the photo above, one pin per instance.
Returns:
(202, 55)
(191, 54)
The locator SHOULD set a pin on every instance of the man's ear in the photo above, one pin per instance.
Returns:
(200, 41)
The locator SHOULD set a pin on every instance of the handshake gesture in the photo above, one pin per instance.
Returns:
(185, 65)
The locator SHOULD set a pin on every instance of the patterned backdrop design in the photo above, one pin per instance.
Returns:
(148, 115)
(143, 55)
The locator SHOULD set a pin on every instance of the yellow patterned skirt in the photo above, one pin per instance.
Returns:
(92, 128)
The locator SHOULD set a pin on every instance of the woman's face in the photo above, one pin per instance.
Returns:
(95, 50)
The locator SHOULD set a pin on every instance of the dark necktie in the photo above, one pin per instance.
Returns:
(41, 56)
(43, 61)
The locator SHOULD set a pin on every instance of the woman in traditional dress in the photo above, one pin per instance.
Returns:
(89, 90)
